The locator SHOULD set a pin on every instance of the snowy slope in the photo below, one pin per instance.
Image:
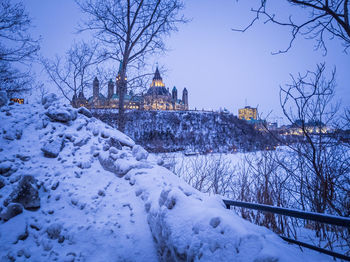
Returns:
(74, 189)
(170, 131)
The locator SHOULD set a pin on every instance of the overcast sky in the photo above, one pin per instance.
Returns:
(219, 67)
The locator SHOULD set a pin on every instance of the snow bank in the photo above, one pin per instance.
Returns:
(3, 98)
(74, 189)
(190, 226)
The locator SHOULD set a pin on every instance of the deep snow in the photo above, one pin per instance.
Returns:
(90, 194)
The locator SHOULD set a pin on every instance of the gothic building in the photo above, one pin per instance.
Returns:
(157, 97)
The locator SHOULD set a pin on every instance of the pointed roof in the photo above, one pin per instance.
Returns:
(95, 79)
(81, 94)
(157, 75)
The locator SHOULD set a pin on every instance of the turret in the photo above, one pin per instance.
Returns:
(185, 98)
(95, 88)
(110, 89)
(119, 81)
(81, 94)
(174, 94)
(74, 100)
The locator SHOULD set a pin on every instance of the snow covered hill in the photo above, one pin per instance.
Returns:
(74, 189)
(198, 131)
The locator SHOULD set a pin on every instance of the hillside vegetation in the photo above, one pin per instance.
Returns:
(170, 131)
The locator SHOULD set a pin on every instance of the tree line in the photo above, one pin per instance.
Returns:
(195, 132)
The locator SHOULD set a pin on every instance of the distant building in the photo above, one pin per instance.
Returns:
(17, 100)
(157, 97)
(300, 128)
(260, 125)
(247, 113)
(311, 127)
(272, 126)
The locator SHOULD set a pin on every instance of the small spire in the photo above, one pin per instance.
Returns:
(157, 75)
(120, 66)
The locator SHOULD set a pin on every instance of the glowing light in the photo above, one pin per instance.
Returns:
(18, 100)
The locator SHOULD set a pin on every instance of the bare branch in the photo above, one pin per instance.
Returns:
(15, 42)
(325, 18)
(76, 72)
(130, 31)
(16, 46)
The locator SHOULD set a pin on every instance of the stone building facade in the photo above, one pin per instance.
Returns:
(248, 113)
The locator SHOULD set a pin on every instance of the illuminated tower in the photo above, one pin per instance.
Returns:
(174, 97)
(185, 98)
(119, 81)
(174, 94)
(157, 80)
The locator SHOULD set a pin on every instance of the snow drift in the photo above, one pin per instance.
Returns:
(74, 189)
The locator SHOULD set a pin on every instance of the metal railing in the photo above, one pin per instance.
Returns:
(322, 218)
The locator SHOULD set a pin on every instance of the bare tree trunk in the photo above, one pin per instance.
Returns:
(121, 111)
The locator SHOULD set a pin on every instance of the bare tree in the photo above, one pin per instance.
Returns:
(207, 173)
(13, 81)
(347, 118)
(16, 43)
(259, 179)
(43, 91)
(312, 172)
(326, 19)
(76, 71)
(319, 164)
(130, 30)
(16, 46)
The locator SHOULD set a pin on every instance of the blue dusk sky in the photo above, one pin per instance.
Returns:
(219, 67)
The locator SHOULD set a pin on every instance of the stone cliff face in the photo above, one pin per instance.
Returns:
(198, 131)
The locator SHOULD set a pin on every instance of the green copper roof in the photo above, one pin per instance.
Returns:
(100, 96)
(128, 97)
